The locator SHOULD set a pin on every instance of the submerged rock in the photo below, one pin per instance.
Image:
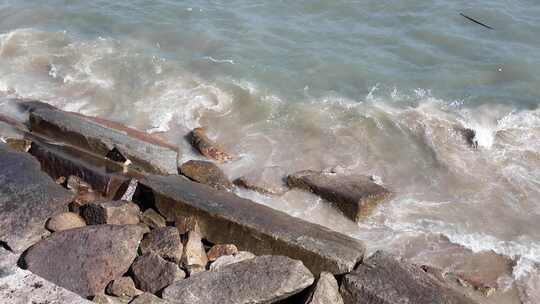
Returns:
(164, 242)
(84, 260)
(384, 279)
(354, 195)
(265, 279)
(326, 291)
(207, 173)
(152, 273)
(28, 198)
(65, 221)
(269, 180)
(226, 218)
(208, 147)
(111, 212)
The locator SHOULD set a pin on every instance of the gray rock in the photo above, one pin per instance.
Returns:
(226, 218)
(268, 180)
(105, 299)
(146, 152)
(65, 221)
(194, 258)
(164, 242)
(148, 298)
(19, 286)
(151, 273)
(111, 212)
(220, 250)
(326, 291)
(208, 147)
(28, 197)
(225, 260)
(153, 219)
(354, 195)
(207, 173)
(123, 287)
(384, 279)
(265, 279)
(84, 260)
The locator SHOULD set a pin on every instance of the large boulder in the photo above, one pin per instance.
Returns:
(111, 212)
(326, 291)
(207, 147)
(18, 286)
(385, 279)
(84, 260)
(207, 173)
(152, 273)
(265, 279)
(28, 197)
(268, 180)
(224, 218)
(354, 195)
(105, 138)
(164, 242)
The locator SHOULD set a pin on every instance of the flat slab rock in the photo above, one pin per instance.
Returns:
(147, 153)
(385, 279)
(225, 218)
(354, 195)
(18, 286)
(207, 173)
(268, 180)
(265, 279)
(84, 260)
(28, 197)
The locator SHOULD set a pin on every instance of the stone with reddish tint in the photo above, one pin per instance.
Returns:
(153, 219)
(220, 250)
(208, 147)
(65, 221)
(123, 287)
(207, 173)
(84, 260)
(164, 242)
(194, 258)
(152, 273)
(111, 212)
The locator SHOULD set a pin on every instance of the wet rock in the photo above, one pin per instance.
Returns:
(469, 135)
(153, 219)
(207, 173)
(18, 286)
(151, 273)
(28, 198)
(326, 291)
(164, 242)
(194, 258)
(148, 298)
(208, 147)
(269, 180)
(220, 250)
(111, 212)
(21, 145)
(226, 218)
(354, 195)
(84, 260)
(65, 221)
(104, 176)
(225, 260)
(279, 277)
(146, 152)
(123, 287)
(385, 279)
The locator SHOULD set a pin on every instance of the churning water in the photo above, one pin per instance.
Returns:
(373, 87)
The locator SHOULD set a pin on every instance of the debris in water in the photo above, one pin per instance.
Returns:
(476, 21)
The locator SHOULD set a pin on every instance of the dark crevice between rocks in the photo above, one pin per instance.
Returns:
(144, 197)
(300, 297)
(21, 262)
(5, 246)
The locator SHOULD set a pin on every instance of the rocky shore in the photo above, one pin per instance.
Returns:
(91, 210)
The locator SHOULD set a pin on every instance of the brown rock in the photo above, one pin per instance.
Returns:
(153, 219)
(326, 291)
(148, 298)
(164, 242)
(123, 287)
(111, 212)
(208, 147)
(152, 273)
(84, 260)
(220, 250)
(194, 258)
(225, 218)
(384, 279)
(105, 299)
(269, 180)
(77, 185)
(354, 195)
(65, 221)
(21, 145)
(207, 173)
(184, 224)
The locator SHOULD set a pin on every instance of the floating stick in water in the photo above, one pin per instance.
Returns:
(476, 21)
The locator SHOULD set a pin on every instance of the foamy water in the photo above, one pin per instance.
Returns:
(374, 88)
